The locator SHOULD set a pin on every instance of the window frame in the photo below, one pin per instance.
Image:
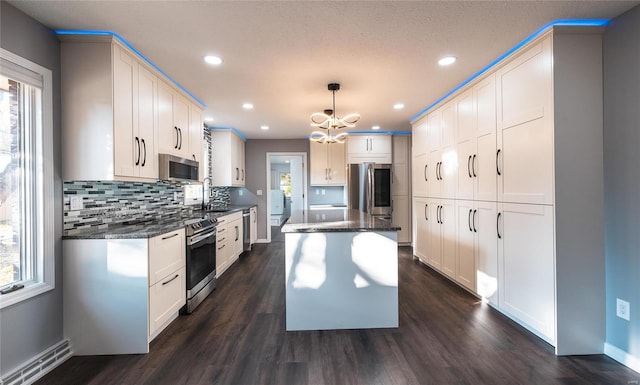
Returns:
(44, 271)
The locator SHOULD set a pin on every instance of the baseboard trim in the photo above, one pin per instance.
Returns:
(262, 240)
(626, 359)
(40, 365)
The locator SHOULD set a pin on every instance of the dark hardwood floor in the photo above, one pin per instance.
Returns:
(237, 336)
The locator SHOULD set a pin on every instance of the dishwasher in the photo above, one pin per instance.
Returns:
(246, 229)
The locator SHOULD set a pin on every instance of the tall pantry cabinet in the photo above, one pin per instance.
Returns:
(523, 146)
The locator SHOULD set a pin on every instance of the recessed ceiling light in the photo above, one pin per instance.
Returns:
(208, 119)
(264, 127)
(398, 106)
(247, 106)
(213, 60)
(375, 127)
(447, 60)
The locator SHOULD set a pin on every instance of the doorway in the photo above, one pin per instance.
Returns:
(286, 189)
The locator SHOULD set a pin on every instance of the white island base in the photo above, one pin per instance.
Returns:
(341, 280)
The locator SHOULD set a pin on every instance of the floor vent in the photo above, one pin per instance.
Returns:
(40, 365)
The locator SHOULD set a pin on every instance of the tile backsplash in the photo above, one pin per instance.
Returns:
(107, 203)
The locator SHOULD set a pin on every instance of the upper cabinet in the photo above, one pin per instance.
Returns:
(369, 148)
(227, 160)
(120, 113)
(328, 167)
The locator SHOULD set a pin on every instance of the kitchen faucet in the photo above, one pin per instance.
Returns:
(204, 181)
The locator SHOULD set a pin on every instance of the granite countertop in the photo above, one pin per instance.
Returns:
(335, 220)
(150, 227)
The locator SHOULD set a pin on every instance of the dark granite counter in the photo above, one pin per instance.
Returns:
(335, 220)
(150, 227)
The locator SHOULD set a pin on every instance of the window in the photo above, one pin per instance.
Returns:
(285, 183)
(26, 179)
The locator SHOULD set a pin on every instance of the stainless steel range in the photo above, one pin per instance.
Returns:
(201, 261)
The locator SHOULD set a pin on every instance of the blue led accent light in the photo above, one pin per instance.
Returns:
(132, 48)
(536, 34)
(375, 132)
(227, 128)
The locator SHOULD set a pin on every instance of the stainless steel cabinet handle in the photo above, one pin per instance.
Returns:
(177, 137)
(170, 236)
(180, 131)
(426, 206)
(469, 219)
(237, 173)
(425, 173)
(469, 166)
(497, 163)
(498, 226)
(221, 247)
(176, 276)
(237, 233)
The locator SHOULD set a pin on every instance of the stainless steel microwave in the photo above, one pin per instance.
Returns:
(178, 169)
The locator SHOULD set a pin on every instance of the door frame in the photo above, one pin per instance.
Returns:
(305, 194)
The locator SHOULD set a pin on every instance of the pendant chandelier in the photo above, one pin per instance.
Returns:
(328, 120)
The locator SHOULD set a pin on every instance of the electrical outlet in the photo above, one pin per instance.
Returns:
(317, 191)
(240, 192)
(623, 309)
(322, 191)
(76, 202)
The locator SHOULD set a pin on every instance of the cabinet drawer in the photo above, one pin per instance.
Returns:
(166, 254)
(165, 298)
(222, 233)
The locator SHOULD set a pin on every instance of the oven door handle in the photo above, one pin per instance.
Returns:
(197, 238)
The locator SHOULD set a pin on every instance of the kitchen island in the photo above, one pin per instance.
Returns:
(341, 271)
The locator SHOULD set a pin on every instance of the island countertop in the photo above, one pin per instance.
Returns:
(335, 220)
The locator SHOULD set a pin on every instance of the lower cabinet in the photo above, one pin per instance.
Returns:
(442, 236)
(477, 248)
(401, 218)
(526, 261)
(119, 294)
(229, 240)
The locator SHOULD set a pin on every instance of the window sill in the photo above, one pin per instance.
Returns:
(29, 291)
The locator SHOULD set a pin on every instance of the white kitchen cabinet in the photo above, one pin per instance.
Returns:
(402, 217)
(196, 139)
(477, 261)
(529, 158)
(442, 235)
(526, 260)
(229, 240)
(253, 226)
(237, 235)
(327, 164)
(401, 187)
(476, 138)
(421, 223)
(131, 288)
(525, 127)
(228, 159)
(180, 125)
(111, 119)
(369, 148)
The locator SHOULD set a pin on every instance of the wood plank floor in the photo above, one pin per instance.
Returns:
(237, 336)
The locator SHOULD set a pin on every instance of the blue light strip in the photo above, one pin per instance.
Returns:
(126, 43)
(226, 128)
(536, 34)
(374, 132)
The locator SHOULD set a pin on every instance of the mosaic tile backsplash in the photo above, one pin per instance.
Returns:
(111, 203)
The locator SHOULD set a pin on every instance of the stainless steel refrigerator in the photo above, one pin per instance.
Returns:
(369, 188)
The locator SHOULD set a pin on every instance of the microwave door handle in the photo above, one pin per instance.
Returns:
(370, 190)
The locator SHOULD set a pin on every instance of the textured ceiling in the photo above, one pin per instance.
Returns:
(281, 55)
